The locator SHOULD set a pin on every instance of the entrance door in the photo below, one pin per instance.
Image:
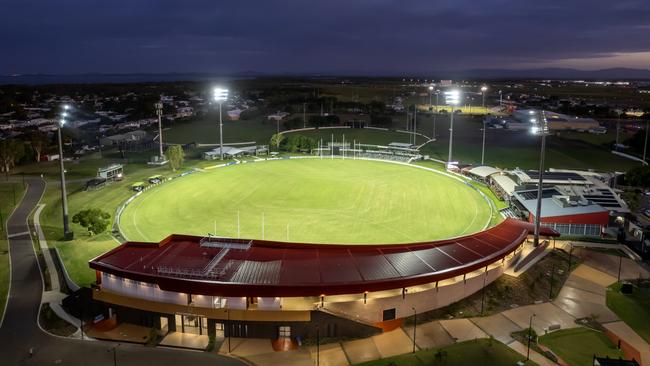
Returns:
(164, 325)
(219, 330)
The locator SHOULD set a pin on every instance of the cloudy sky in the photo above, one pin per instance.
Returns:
(309, 36)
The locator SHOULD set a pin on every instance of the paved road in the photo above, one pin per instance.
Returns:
(20, 332)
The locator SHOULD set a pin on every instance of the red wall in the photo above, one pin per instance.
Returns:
(597, 218)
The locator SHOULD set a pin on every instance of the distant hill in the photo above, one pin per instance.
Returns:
(556, 73)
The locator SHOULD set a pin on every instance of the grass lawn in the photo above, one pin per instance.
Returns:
(477, 352)
(310, 200)
(633, 309)
(8, 191)
(77, 252)
(577, 346)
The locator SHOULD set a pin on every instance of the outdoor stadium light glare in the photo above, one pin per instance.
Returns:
(66, 107)
(484, 88)
(452, 98)
(220, 95)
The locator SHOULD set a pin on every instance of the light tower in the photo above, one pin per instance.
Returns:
(220, 95)
(159, 109)
(540, 129)
(452, 98)
(483, 90)
(64, 196)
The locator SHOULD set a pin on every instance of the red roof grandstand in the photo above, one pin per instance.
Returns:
(234, 267)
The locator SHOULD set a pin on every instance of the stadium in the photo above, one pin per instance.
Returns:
(284, 248)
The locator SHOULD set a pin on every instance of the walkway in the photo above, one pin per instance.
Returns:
(20, 331)
(582, 295)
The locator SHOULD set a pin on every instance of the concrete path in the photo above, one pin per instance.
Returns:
(430, 335)
(20, 331)
(462, 329)
(498, 326)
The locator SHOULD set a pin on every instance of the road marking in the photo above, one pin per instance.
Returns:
(17, 234)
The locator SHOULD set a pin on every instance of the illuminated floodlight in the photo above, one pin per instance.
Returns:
(61, 122)
(531, 112)
(64, 114)
(220, 94)
(484, 88)
(534, 130)
(66, 107)
(452, 97)
(430, 87)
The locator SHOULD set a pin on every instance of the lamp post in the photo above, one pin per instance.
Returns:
(317, 346)
(483, 90)
(430, 92)
(483, 146)
(435, 116)
(542, 129)
(530, 335)
(645, 144)
(64, 196)
(415, 325)
(220, 95)
(452, 98)
(500, 99)
(159, 108)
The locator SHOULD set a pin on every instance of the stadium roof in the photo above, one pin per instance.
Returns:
(181, 264)
(505, 183)
(551, 207)
(483, 171)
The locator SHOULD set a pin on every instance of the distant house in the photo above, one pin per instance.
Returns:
(234, 114)
(277, 116)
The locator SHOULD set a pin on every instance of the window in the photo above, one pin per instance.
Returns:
(285, 332)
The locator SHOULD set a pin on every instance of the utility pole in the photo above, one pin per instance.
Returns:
(483, 149)
(304, 115)
(645, 144)
(415, 123)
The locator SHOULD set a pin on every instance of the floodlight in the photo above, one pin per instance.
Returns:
(61, 122)
(430, 87)
(452, 97)
(534, 130)
(64, 114)
(484, 88)
(220, 94)
(66, 107)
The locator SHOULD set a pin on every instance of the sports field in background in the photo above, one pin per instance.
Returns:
(310, 200)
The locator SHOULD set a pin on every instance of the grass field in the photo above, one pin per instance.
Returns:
(577, 346)
(9, 191)
(310, 200)
(478, 352)
(633, 309)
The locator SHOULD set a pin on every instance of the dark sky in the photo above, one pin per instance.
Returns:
(307, 36)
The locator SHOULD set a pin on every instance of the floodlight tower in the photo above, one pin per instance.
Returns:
(159, 109)
(64, 196)
(452, 98)
(220, 95)
(540, 129)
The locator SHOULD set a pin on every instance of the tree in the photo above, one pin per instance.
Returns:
(176, 155)
(276, 140)
(38, 141)
(94, 220)
(638, 177)
(10, 152)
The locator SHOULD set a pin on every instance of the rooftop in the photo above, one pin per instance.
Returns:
(180, 263)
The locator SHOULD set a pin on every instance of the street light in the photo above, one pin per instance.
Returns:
(483, 146)
(483, 90)
(64, 196)
(530, 330)
(541, 129)
(415, 325)
(159, 109)
(452, 98)
(220, 95)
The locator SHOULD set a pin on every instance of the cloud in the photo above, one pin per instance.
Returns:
(318, 36)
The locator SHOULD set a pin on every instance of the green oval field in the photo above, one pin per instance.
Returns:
(310, 200)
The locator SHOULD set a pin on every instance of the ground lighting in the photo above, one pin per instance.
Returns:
(220, 95)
